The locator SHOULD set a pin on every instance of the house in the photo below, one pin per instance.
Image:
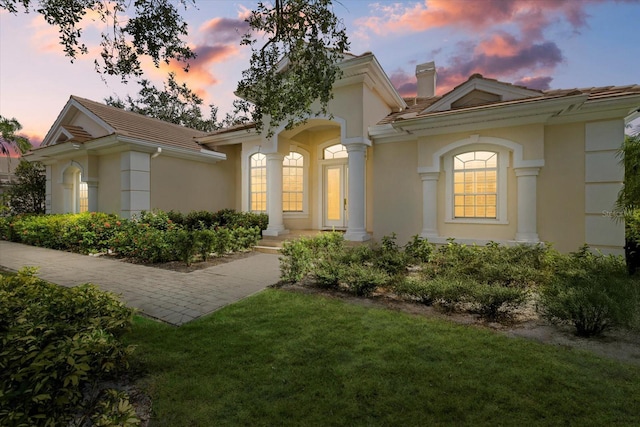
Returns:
(487, 161)
(8, 167)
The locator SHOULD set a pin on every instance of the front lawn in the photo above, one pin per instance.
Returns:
(281, 358)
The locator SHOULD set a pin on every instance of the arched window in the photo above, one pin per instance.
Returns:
(76, 192)
(83, 195)
(337, 151)
(293, 183)
(475, 185)
(258, 183)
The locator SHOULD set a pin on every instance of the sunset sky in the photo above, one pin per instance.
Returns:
(543, 44)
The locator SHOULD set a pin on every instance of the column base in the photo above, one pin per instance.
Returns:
(357, 236)
(429, 234)
(275, 232)
(527, 238)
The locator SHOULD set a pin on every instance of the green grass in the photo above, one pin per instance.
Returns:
(280, 358)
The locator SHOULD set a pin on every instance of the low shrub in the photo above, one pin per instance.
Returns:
(419, 250)
(632, 241)
(185, 245)
(230, 218)
(493, 302)
(205, 240)
(389, 257)
(363, 280)
(55, 341)
(328, 273)
(300, 257)
(445, 292)
(593, 292)
(242, 238)
(295, 260)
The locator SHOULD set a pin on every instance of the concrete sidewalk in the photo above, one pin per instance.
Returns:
(169, 296)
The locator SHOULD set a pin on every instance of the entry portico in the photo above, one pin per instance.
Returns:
(314, 176)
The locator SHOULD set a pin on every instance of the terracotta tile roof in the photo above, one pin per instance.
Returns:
(417, 105)
(234, 128)
(134, 125)
(78, 134)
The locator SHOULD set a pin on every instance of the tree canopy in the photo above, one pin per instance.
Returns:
(10, 140)
(27, 194)
(176, 103)
(152, 28)
(295, 45)
(629, 196)
(296, 65)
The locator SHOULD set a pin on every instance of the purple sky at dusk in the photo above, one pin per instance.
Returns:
(542, 44)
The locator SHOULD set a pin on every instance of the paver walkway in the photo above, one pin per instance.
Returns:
(170, 296)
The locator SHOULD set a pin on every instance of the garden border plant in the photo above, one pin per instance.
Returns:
(152, 237)
(492, 281)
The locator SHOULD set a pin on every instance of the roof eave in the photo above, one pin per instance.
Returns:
(488, 116)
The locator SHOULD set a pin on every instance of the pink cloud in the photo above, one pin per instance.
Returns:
(473, 16)
(221, 41)
(404, 82)
(512, 45)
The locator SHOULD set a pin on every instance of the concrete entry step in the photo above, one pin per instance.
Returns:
(268, 249)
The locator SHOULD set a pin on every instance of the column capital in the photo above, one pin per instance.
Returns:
(354, 147)
(277, 156)
(429, 176)
(527, 171)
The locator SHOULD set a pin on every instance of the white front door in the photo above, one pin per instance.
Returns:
(335, 199)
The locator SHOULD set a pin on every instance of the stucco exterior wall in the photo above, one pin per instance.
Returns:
(561, 187)
(397, 191)
(109, 183)
(183, 185)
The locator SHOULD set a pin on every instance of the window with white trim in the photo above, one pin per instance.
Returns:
(293, 182)
(258, 183)
(337, 151)
(475, 185)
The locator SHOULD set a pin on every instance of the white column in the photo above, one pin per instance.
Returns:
(274, 195)
(604, 176)
(47, 190)
(68, 197)
(527, 231)
(92, 194)
(356, 228)
(135, 183)
(429, 204)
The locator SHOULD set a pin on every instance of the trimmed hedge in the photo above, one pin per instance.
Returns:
(153, 237)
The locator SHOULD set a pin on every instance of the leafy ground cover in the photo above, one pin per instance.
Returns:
(282, 358)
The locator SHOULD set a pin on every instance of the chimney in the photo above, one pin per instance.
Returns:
(426, 77)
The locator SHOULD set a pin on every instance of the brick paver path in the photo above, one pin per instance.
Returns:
(169, 296)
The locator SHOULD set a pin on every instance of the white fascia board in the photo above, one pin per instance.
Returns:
(507, 92)
(621, 107)
(58, 151)
(229, 138)
(53, 133)
(382, 134)
(369, 65)
(151, 147)
(489, 116)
